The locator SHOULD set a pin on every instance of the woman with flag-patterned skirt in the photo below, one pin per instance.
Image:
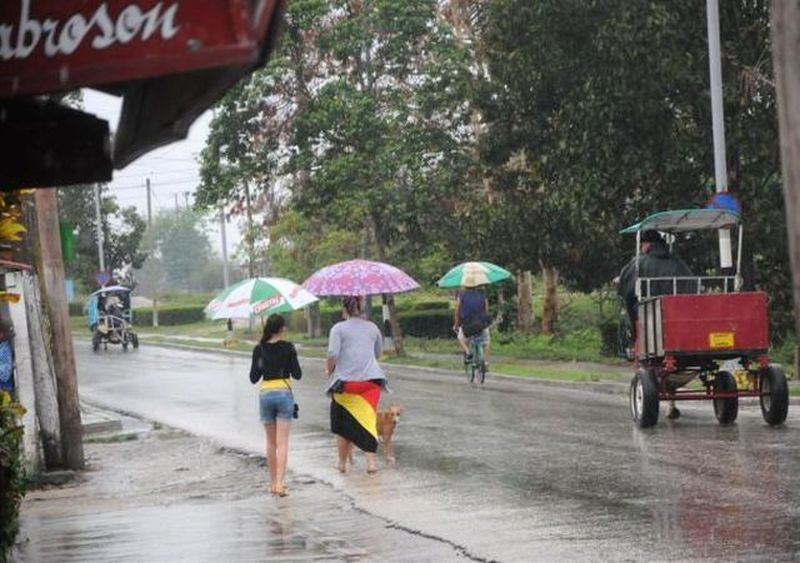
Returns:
(356, 381)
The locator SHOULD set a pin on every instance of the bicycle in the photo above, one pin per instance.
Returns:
(475, 364)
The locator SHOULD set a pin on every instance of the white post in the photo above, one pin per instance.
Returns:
(718, 122)
(26, 392)
(99, 223)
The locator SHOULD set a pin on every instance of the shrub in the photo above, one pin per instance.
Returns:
(12, 471)
(77, 309)
(427, 324)
(431, 306)
(169, 316)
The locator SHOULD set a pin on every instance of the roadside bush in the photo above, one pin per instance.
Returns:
(427, 324)
(431, 306)
(169, 316)
(77, 309)
(12, 471)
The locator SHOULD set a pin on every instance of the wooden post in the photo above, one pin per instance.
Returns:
(52, 271)
(785, 24)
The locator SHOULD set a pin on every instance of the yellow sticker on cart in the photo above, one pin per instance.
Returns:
(720, 340)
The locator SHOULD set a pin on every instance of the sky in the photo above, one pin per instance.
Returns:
(173, 169)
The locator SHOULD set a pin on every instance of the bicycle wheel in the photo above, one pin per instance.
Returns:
(480, 361)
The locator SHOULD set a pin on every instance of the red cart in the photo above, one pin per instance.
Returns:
(690, 328)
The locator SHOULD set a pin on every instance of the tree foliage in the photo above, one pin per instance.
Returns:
(123, 231)
(527, 132)
(180, 252)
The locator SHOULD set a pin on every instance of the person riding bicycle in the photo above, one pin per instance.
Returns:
(471, 319)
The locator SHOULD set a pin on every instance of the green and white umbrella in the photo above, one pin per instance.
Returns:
(473, 274)
(258, 296)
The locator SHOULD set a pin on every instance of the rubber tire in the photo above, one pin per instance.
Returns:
(135, 341)
(95, 343)
(726, 410)
(774, 406)
(644, 406)
(124, 346)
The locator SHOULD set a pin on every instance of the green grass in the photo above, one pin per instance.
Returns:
(504, 368)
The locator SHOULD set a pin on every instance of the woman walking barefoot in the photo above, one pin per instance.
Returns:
(274, 362)
(355, 383)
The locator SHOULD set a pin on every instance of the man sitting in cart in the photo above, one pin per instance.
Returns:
(656, 261)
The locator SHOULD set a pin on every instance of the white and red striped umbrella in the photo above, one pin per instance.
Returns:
(359, 277)
(258, 296)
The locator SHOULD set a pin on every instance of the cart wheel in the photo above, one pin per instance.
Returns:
(124, 346)
(135, 341)
(774, 395)
(644, 398)
(95, 343)
(726, 410)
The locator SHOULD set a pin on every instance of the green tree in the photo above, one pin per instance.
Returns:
(123, 230)
(599, 115)
(181, 249)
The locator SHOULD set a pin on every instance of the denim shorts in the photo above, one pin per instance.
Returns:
(276, 404)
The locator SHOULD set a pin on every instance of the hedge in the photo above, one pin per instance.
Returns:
(431, 306)
(423, 324)
(169, 316)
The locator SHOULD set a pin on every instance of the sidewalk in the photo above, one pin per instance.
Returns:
(159, 494)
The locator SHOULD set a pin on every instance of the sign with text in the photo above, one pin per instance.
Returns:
(54, 45)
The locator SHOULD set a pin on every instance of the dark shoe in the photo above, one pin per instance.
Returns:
(674, 413)
(467, 358)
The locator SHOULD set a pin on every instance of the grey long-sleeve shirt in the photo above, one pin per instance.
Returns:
(355, 345)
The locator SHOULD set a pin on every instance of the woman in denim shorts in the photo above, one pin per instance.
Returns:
(274, 362)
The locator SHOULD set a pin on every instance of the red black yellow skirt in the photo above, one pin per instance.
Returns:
(353, 413)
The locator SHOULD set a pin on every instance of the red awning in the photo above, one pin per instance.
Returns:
(170, 60)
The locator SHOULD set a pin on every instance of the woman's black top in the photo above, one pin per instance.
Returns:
(274, 360)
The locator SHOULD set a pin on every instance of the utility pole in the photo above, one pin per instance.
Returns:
(99, 226)
(225, 273)
(785, 24)
(718, 125)
(150, 233)
(250, 237)
(52, 270)
(149, 206)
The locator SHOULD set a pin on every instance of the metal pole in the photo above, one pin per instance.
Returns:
(149, 206)
(718, 123)
(99, 226)
(225, 273)
(250, 237)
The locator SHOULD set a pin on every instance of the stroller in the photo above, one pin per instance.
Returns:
(110, 318)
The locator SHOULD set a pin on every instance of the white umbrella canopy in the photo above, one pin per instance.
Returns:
(258, 296)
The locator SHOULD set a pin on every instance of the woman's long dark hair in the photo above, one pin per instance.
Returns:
(353, 305)
(274, 325)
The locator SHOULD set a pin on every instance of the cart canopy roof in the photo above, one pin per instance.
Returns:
(113, 289)
(683, 220)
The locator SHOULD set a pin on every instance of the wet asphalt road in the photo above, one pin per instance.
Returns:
(510, 472)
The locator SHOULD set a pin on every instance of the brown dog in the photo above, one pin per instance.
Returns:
(387, 424)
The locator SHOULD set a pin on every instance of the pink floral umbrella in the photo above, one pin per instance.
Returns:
(359, 277)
